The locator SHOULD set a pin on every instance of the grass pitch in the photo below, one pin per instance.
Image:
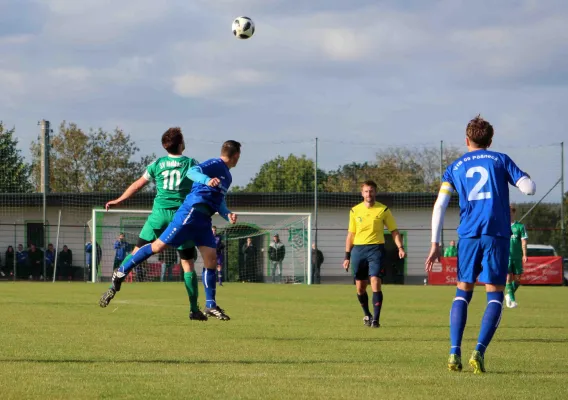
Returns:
(283, 342)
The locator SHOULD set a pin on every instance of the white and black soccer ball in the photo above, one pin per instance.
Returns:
(243, 27)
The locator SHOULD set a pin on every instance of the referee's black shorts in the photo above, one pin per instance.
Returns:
(366, 260)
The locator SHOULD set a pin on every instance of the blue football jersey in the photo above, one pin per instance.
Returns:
(481, 178)
(211, 196)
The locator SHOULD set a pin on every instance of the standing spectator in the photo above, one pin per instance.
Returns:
(451, 251)
(276, 254)
(49, 261)
(122, 248)
(22, 267)
(248, 272)
(89, 256)
(220, 254)
(65, 262)
(9, 262)
(317, 261)
(35, 259)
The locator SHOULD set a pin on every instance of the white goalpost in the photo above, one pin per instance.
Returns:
(246, 253)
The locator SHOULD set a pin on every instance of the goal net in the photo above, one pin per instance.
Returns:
(260, 247)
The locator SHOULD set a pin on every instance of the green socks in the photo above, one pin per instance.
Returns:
(510, 290)
(190, 279)
(515, 286)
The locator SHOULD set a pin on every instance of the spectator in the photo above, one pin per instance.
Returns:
(22, 268)
(49, 261)
(35, 260)
(276, 254)
(65, 262)
(317, 261)
(122, 248)
(452, 250)
(248, 272)
(89, 256)
(8, 270)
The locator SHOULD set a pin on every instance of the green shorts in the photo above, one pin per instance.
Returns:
(157, 222)
(516, 265)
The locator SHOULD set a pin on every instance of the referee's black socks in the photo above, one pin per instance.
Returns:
(364, 301)
(377, 304)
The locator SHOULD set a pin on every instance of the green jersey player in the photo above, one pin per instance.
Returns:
(517, 257)
(172, 186)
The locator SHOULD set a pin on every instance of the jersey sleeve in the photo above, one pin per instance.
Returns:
(389, 221)
(514, 173)
(524, 234)
(448, 177)
(150, 171)
(352, 226)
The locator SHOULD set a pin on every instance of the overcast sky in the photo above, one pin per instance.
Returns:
(358, 74)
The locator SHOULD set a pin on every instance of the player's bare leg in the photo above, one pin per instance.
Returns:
(376, 284)
(190, 280)
(364, 301)
(209, 256)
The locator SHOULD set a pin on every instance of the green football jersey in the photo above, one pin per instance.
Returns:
(518, 234)
(172, 184)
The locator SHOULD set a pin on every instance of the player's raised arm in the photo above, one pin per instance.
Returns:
(438, 222)
(226, 214)
(196, 175)
(132, 189)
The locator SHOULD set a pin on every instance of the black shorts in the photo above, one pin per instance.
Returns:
(367, 260)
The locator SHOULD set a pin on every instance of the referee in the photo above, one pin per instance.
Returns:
(365, 248)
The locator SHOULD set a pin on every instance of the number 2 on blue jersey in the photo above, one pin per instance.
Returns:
(476, 193)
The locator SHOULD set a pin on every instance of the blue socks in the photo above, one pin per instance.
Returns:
(144, 253)
(490, 320)
(210, 284)
(458, 318)
(377, 304)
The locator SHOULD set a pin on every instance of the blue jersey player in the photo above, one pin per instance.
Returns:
(481, 179)
(192, 222)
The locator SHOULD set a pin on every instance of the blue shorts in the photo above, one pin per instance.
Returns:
(366, 261)
(485, 258)
(189, 224)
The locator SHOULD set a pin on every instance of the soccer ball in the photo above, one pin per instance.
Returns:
(243, 27)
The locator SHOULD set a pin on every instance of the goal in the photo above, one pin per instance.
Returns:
(246, 255)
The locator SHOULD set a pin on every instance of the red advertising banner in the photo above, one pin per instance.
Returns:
(536, 271)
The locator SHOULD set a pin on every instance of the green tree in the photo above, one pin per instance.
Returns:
(397, 169)
(14, 171)
(285, 175)
(99, 161)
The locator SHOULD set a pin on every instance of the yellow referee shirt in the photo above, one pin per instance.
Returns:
(368, 223)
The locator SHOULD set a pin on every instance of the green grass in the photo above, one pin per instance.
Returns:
(283, 342)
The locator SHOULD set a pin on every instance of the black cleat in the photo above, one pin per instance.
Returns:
(375, 324)
(217, 312)
(367, 320)
(107, 297)
(197, 316)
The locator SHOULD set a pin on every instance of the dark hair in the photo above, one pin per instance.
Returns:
(480, 132)
(230, 148)
(369, 183)
(213, 227)
(171, 139)
(513, 209)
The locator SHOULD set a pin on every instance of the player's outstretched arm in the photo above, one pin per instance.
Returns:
(132, 189)
(196, 175)
(438, 222)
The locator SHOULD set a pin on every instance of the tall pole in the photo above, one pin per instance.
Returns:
(562, 222)
(316, 198)
(44, 140)
(441, 179)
